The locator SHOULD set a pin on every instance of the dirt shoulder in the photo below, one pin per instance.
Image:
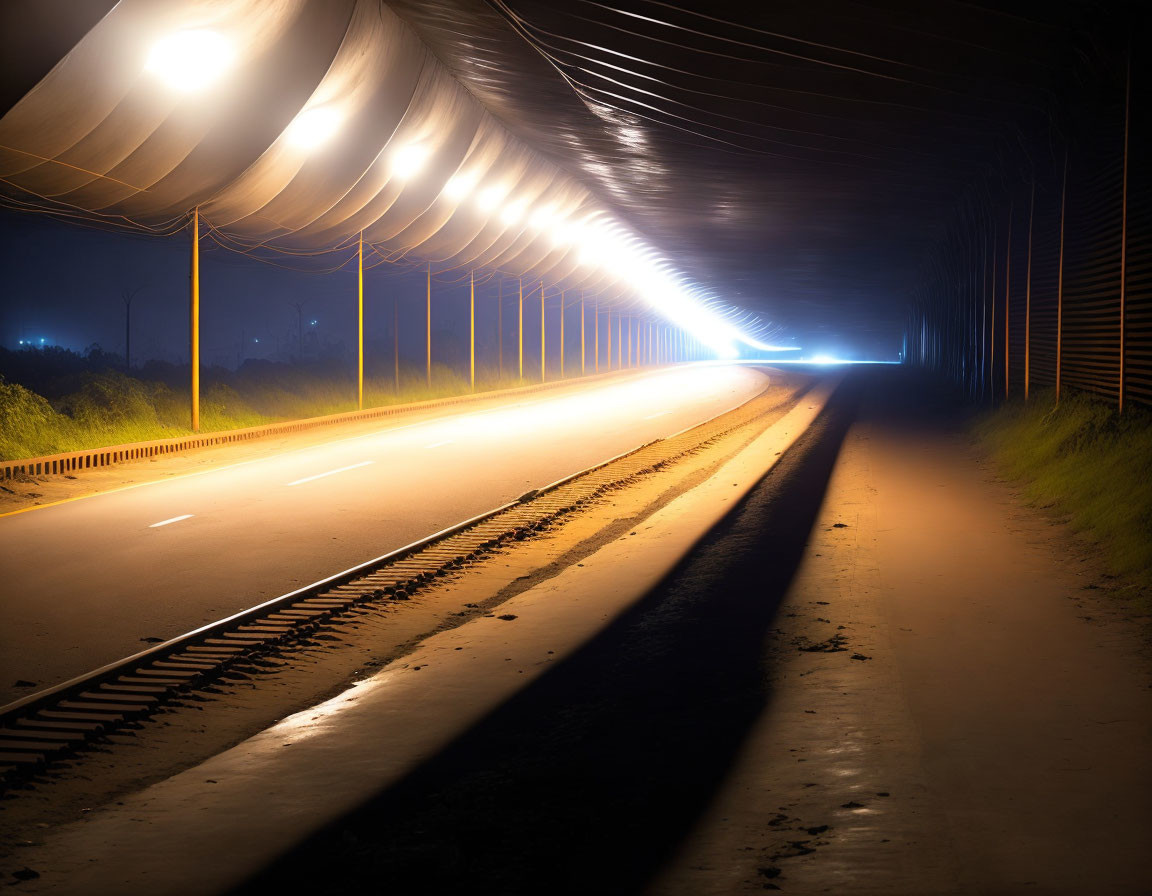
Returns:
(985, 724)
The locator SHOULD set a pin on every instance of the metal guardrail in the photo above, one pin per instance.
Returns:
(90, 458)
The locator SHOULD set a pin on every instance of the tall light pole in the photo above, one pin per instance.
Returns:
(194, 320)
(128, 295)
(472, 329)
(582, 333)
(596, 338)
(428, 329)
(360, 324)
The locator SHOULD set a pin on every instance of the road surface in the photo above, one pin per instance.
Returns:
(86, 581)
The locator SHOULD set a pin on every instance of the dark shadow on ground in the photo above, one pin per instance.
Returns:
(587, 780)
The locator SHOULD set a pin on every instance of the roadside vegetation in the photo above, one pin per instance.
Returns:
(1089, 464)
(55, 400)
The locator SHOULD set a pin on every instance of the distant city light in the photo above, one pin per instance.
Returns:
(314, 126)
(190, 61)
(313, 323)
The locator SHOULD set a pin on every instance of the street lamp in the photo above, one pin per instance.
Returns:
(190, 61)
(314, 126)
(409, 159)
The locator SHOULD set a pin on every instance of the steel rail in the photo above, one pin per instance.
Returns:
(57, 721)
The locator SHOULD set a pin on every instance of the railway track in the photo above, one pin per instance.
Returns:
(58, 723)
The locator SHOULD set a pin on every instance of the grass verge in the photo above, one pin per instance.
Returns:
(1092, 466)
(110, 408)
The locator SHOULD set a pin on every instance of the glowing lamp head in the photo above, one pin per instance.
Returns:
(409, 159)
(512, 212)
(313, 127)
(190, 61)
(489, 198)
(459, 185)
(564, 233)
(542, 217)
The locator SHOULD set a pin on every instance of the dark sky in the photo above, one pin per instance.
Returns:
(798, 157)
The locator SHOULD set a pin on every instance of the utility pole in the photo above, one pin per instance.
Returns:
(472, 329)
(299, 306)
(428, 330)
(194, 320)
(582, 333)
(360, 324)
(128, 296)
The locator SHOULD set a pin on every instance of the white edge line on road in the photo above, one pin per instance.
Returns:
(175, 519)
(658, 414)
(439, 444)
(362, 463)
(436, 418)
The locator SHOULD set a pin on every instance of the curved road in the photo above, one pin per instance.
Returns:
(85, 581)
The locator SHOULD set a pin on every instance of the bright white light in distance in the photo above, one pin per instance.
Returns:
(825, 359)
(489, 198)
(542, 217)
(409, 159)
(512, 212)
(313, 127)
(190, 61)
(564, 234)
(459, 185)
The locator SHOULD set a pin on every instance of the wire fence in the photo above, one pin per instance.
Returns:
(1046, 280)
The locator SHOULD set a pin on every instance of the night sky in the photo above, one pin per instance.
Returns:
(800, 158)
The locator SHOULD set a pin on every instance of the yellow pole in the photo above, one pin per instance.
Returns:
(1124, 236)
(596, 338)
(428, 330)
(360, 325)
(1007, 300)
(472, 329)
(581, 332)
(543, 347)
(520, 328)
(1060, 280)
(1028, 298)
(609, 338)
(194, 320)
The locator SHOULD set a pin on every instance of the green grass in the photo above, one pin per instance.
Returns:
(111, 408)
(1090, 465)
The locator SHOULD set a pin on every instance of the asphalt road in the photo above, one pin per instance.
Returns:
(82, 583)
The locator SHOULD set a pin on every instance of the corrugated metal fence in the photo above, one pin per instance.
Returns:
(1048, 281)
